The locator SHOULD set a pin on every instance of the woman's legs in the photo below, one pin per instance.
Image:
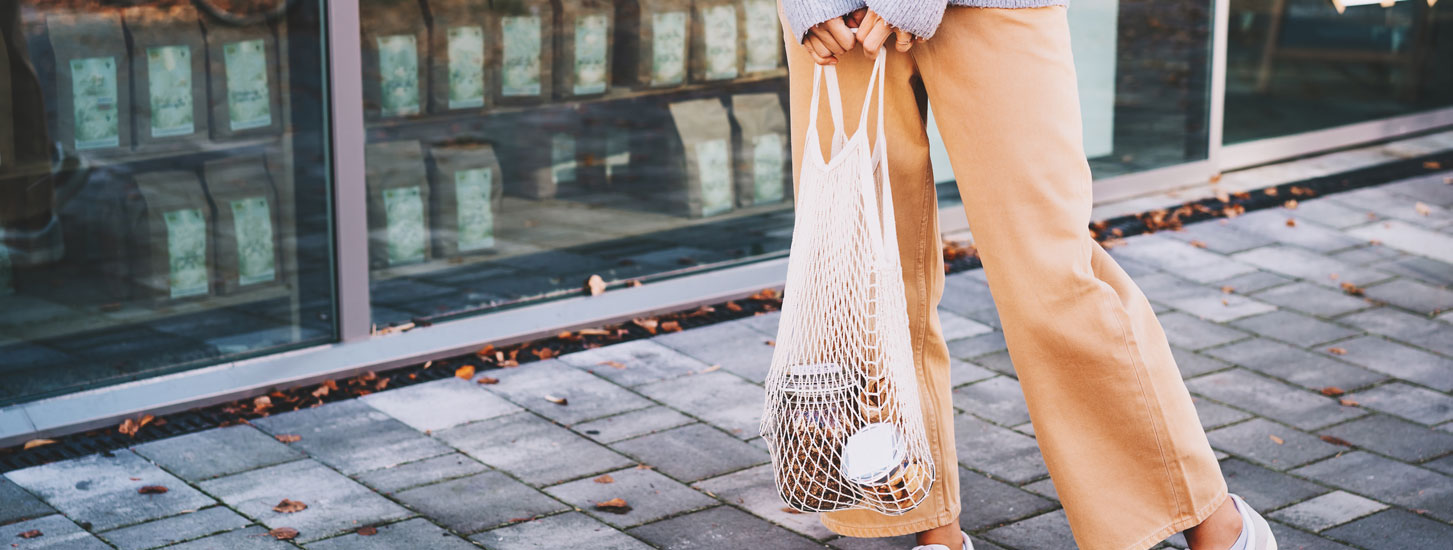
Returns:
(1112, 416)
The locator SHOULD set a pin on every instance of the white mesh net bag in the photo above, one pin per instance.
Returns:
(842, 416)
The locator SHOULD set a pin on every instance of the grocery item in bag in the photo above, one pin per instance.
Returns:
(763, 149)
(584, 41)
(395, 50)
(398, 199)
(522, 48)
(468, 189)
(169, 69)
(705, 134)
(761, 36)
(245, 72)
(651, 42)
(716, 43)
(459, 65)
(92, 82)
(172, 256)
(245, 232)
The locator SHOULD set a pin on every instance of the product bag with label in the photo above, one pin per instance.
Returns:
(246, 229)
(716, 40)
(169, 71)
(542, 163)
(651, 42)
(459, 65)
(395, 54)
(763, 149)
(172, 255)
(522, 50)
(93, 85)
(583, 46)
(245, 72)
(705, 188)
(842, 417)
(761, 37)
(398, 204)
(468, 189)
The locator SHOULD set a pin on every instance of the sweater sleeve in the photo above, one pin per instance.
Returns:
(802, 15)
(920, 17)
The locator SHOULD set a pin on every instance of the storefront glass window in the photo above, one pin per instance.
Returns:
(163, 187)
(1299, 65)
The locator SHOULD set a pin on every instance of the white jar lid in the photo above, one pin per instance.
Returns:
(872, 453)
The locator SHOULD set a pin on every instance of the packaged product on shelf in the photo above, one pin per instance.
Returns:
(522, 47)
(172, 258)
(398, 195)
(395, 45)
(92, 82)
(762, 36)
(716, 52)
(583, 47)
(763, 149)
(458, 67)
(651, 43)
(705, 188)
(542, 163)
(467, 193)
(245, 232)
(169, 69)
(245, 69)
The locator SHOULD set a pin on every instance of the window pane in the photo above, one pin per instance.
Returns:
(163, 188)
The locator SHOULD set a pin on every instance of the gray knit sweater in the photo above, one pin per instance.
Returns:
(920, 17)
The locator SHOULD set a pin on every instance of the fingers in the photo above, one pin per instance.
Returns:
(841, 33)
(875, 38)
(819, 52)
(855, 19)
(825, 39)
(905, 40)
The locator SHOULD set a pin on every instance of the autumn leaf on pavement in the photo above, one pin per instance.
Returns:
(544, 353)
(712, 368)
(129, 427)
(1291, 222)
(648, 324)
(616, 364)
(557, 400)
(791, 510)
(1337, 351)
(1332, 391)
(33, 533)
(594, 285)
(733, 306)
(152, 490)
(367, 531)
(1228, 289)
(37, 443)
(1432, 165)
(284, 533)
(1349, 403)
(605, 479)
(289, 438)
(488, 380)
(466, 372)
(1198, 243)
(1351, 289)
(289, 506)
(1422, 209)
(1277, 440)
(1290, 204)
(671, 326)
(1337, 441)
(615, 506)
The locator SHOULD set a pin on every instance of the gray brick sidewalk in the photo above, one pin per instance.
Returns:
(1253, 305)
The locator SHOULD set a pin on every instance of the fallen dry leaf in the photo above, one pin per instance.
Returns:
(594, 285)
(671, 326)
(1222, 196)
(1227, 289)
(616, 364)
(487, 380)
(1291, 222)
(37, 443)
(1276, 440)
(556, 400)
(615, 506)
(1271, 191)
(772, 343)
(367, 531)
(1422, 209)
(1290, 204)
(1337, 351)
(284, 533)
(733, 306)
(645, 467)
(712, 368)
(33, 533)
(1332, 391)
(152, 490)
(1198, 244)
(1432, 165)
(604, 479)
(633, 283)
(466, 372)
(1337, 441)
(289, 438)
(791, 510)
(1349, 403)
(128, 427)
(544, 353)
(289, 506)
(648, 324)
(1351, 289)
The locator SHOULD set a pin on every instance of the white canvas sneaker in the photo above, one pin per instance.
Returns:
(1253, 527)
(967, 545)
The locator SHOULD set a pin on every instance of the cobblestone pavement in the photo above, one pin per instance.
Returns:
(1253, 306)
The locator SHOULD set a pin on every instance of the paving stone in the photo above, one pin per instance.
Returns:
(208, 521)
(1201, 301)
(650, 495)
(1219, 237)
(645, 361)
(1417, 330)
(1427, 270)
(693, 452)
(1411, 402)
(963, 372)
(1312, 298)
(998, 362)
(1387, 204)
(1002, 452)
(998, 399)
(1397, 360)
(335, 503)
(631, 424)
(532, 449)
(478, 502)
(720, 398)
(572, 530)
(17, 504)
(103, 490)
(1431, 188)
(1294, 328)
(1386, 480)
(720, 527)
(1214, 415)
(414, 474)
(1272, 223)
(1298, 366)
(1252, 440)
(735, 347)
(414, 534)
(1253, 282)
(57, 533)
(765, 323)
(1369, 255)
(1444, 465)
(1180, 259)
(587, 396)
(1192, 364)
(1393, 437)
(1049, 531)
(440, 404)
(990, 503)
(1334, 508)
(251, 538)
(897, 543)
(1044, 488)
(1408, 238)
(1412, 296)
(1272, 399)
(1291, 538)
(755, 490)
(967, 297)
(1265, 489)
(1331, 214)
(983, 344)
(1191, 333)
(1310, 266)
(956, 326)
(1394, 529)
(217, 452)
(352, 437)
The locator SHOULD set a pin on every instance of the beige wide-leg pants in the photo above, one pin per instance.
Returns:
(1111, 414)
